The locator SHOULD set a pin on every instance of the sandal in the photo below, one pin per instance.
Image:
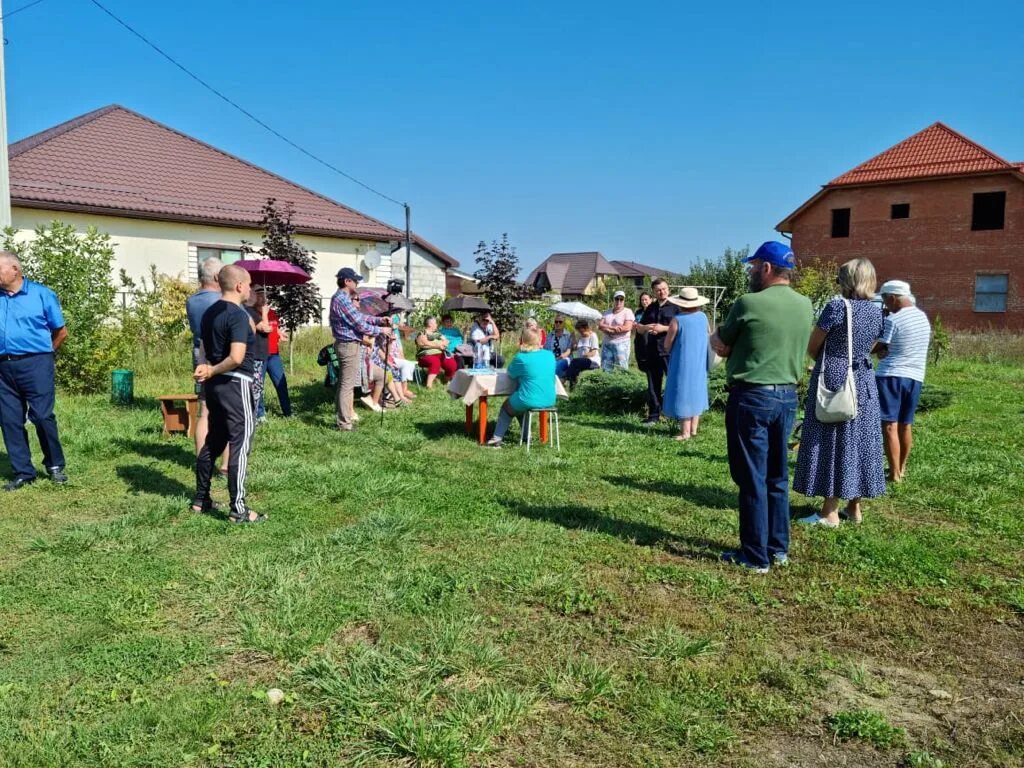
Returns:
(248, 518)
(207, 506)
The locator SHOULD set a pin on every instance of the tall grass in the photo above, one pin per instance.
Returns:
(994, 346)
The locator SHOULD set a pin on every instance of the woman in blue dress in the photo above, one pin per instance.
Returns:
(844, 460)
(686, 387)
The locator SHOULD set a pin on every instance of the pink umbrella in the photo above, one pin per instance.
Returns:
(274, 272)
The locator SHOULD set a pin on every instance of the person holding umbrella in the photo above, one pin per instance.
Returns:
(349, 325)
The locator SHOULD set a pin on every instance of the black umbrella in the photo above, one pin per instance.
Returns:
(465, 304)
(399, 302)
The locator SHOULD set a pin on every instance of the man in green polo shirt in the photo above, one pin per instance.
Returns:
(764, 339)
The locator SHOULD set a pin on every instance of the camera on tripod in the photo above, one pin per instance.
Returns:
(396, 285)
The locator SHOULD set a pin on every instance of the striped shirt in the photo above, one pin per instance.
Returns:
(906, 334)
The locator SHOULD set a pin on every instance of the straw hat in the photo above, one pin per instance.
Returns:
(689, 298)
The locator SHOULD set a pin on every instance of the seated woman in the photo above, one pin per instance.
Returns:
(559, 343)
(533, 369)
(587, 352)
(379, 368)
(432, 353)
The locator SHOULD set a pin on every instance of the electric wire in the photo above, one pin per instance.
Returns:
(234, 104)
(19, 10)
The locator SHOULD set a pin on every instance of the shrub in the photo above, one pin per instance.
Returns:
(427, 308)
(156, 317)
(940, 340)
(816, 279)
(617, 392)
(77, 268)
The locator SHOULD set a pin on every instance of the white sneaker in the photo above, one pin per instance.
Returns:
(368, 402)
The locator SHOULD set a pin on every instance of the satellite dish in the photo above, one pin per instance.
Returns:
(371, 259)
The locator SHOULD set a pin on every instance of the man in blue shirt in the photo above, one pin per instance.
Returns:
(195, 307)
(31, 330)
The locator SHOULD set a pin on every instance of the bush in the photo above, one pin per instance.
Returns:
(816, 279)
(156, 317)
(618, 392)
(78, 269)
(867, 726)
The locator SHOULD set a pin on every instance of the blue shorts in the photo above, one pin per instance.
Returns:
(897, 398)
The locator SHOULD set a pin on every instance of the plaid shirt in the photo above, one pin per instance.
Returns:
(348, 323)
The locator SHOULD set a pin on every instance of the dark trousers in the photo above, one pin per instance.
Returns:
(758, 423)
(275, 369)
(231, 406)
(656, 369)
(577, 366)
(27, 387)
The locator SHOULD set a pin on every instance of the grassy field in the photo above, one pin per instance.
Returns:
(424, 601)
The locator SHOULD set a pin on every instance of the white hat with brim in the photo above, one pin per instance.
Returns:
(895, 288)
(689, 298)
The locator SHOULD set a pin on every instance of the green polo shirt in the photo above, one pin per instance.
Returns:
(768, 332)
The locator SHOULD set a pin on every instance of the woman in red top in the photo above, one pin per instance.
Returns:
(275, 367)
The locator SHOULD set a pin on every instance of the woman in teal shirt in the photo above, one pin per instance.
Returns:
(534, 371)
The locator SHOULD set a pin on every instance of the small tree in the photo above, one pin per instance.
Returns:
(296, 305)
(78, 268)
(498, 277)
(816, 279)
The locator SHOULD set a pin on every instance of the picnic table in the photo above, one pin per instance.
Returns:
(473, 387)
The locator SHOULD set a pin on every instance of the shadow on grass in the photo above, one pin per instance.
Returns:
(701, 495)
(173, 450)
(437, 430)
(142, 479)
(573, 516)
(307, 400)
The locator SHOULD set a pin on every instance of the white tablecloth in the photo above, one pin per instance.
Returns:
(470, 387)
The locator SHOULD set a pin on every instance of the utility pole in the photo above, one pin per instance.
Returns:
(408, 251)
(5, 172)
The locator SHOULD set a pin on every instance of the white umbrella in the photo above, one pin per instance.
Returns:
(576, 310)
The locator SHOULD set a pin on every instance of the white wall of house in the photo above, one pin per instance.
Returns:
(172, 248)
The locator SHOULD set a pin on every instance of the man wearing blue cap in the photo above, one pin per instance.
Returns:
(349, 325)
(764, 339)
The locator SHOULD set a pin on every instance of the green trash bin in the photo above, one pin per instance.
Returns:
(122, 387)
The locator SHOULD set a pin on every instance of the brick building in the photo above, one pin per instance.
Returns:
(938, 210)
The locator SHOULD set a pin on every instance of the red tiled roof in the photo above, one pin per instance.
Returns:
(117, 162)
(938, 150)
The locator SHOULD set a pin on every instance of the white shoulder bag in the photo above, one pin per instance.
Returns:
(839, 406)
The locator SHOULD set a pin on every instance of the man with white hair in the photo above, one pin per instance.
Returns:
(31, 330)
(903, 355)
(195, 307)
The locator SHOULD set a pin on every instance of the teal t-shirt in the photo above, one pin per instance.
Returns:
(768, 332)
(535, 373)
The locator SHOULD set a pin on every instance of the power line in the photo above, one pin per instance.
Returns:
(19, 10)
(234, 104)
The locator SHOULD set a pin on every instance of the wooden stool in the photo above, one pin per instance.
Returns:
(179, 418)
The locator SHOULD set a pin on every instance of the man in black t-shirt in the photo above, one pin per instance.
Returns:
(652, 327)
(227, 338)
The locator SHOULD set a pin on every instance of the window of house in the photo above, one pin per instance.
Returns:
(990, 292)
(989, 210)
(840, 222)
(226, 255)
(900, 211)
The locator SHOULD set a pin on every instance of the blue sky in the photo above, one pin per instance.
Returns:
(646, 130)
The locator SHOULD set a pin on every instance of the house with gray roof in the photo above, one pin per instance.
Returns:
(577, 275)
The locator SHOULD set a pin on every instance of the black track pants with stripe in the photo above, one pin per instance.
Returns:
(231, 407)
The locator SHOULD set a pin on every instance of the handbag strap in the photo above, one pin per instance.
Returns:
(849, 334)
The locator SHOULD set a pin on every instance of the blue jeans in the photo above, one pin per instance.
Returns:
(27, 386)
(758, 423)
(275, 368)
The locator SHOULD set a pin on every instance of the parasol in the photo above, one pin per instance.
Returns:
(465, 304)
(577, 310)
(273, 272)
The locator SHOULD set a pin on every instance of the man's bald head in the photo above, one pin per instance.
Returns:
(235, 283)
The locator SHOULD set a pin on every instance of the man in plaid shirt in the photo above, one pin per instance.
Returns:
(349, 325)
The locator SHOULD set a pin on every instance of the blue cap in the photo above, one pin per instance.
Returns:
(347, 273)
(775, 253)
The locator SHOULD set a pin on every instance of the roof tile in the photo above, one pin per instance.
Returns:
(118, 162)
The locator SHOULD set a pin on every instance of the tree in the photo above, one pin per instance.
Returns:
(727, 271)
(295, 305)
(497, 276)
(816, 279)
(78, 268)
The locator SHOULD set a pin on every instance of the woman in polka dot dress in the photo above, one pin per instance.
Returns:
(844, 460)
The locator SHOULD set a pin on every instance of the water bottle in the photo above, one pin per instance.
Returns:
(486, 356)
(478, 356)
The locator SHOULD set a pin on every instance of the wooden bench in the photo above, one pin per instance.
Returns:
(179, 418)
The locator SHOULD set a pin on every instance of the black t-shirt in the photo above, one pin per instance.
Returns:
(224, 324)
(261, 349)
(661, 314)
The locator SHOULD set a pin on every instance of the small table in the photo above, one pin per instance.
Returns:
(179, 418)
(476, 387)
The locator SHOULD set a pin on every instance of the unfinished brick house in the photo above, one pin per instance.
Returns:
(937, 210)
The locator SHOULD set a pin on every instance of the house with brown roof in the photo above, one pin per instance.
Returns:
(170, 200)
(577, 275)
(937, 210)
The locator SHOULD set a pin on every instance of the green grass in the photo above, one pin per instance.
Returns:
(424, 601)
